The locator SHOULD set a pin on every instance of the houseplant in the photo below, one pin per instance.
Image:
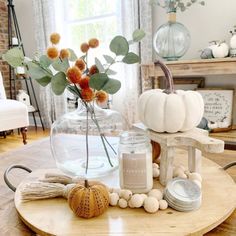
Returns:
(172, 39)
(73, 133)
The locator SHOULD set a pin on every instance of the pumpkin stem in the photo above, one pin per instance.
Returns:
(86, 184)
(168, 75)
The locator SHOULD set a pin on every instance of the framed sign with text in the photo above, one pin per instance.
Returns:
(218, 109)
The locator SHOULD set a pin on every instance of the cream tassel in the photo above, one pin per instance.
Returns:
(40, 190)
(60, 178)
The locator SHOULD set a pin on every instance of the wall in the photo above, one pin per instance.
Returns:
(24, 15)
(205, 23)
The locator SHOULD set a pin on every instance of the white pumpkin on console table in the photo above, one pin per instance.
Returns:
(169, 110)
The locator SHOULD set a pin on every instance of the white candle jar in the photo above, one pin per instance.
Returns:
(135, 162)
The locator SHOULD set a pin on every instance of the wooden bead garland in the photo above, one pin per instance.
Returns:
(181, 172)
(138, 200)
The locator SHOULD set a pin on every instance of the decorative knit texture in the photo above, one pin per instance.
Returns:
(89, 201)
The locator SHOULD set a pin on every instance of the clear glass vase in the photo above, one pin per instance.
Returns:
(74, 133)
(171, 40)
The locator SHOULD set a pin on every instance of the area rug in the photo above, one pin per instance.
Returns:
(34, 155)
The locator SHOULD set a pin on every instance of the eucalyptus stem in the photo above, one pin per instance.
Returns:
(101, 136)
(43, 68)
(90, 109)
(87, 147)
(113, 62)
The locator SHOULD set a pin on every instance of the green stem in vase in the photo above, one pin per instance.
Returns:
(101, 135)
(87, 147)
(90, 109)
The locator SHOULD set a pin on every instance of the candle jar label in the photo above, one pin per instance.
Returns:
(134, 170)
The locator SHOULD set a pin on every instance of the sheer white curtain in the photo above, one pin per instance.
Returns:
(51, 106)
(133, 14)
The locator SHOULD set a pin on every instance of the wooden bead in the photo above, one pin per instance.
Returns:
(151, 205)
(155, 165)
(163, 204)
(199, 184)
(182, 175)
(113, 199)
(122, 203)
(177, 171)
(136, 200)
(126, 194)
(195, 176)
(156, 193)
(155, 172)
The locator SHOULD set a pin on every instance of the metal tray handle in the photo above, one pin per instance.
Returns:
(7, 171)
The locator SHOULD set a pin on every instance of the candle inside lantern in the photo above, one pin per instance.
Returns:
(20, 70)
(135, 159)
(14, 41)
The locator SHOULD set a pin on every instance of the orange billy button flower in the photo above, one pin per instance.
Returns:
(93, 70)
(87, 94)
(74, 74)
(93, 43)
(52, 52)
(80, 64)
(84, 47)
(84, 82)
(101, 96)
(55, 38)
(64, 53)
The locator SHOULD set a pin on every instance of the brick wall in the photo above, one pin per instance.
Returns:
(4, 68)
(4, 43)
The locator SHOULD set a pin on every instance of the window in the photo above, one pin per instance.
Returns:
(80, 20)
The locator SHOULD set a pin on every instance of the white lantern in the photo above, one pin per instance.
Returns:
(23, 97)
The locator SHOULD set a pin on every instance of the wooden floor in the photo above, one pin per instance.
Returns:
(14, 140)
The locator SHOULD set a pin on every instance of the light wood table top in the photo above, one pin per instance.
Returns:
(38, 156)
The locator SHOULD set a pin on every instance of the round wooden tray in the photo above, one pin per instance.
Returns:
(54, 217)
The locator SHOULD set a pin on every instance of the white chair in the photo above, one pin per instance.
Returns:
(13, 114)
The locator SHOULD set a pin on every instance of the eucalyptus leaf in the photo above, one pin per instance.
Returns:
(138, 35)
(45, 61)
(108, 59)
(42, 76)
(98, 80)
(119, 46)
(73, 90)
(61, 65)
(44, 81)
(99, 65)
(59, 83)
(83, 57)
(131, 58)
(14, 57)
(111, 72)
(73, 56)
(112, 86)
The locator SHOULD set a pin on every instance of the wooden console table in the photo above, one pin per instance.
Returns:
(187, 68)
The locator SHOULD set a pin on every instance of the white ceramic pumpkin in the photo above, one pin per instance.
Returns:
(220, 50)
(168, 110)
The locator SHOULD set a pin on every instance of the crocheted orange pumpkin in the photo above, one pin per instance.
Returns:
(89, 200)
